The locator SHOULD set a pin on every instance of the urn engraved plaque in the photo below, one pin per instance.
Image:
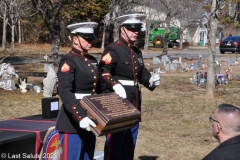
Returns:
(110, 112)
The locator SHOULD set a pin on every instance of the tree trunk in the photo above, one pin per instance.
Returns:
(103, 37)
(5, 22)
(146, 41)
(146, 35)
(12, 40)
(51, 19)
(115, 32)
(19, 32)
(55, 43)
(210, 88)
(165, 44)
(181, 39)
(22, 36)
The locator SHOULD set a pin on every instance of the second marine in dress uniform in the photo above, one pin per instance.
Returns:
(78, 76)
(123, 71)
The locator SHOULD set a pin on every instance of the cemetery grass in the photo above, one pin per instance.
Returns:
(174, 125)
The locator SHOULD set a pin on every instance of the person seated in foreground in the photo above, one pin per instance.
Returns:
(226, 129)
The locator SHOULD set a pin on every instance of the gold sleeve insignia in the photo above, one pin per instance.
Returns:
(65, 67)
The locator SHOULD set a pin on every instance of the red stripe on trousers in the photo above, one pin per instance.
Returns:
(109, 147)
(65, 147)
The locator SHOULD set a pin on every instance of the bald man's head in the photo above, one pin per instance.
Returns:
(229, 118)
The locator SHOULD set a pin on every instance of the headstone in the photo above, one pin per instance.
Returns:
(230, 61)
(197, 64)
(171, 66)
(193, 80)
(156, 60)
(217, 69)
(180, 59)
(11, 83)
(199, 77)
(185, 65)
(165, 59)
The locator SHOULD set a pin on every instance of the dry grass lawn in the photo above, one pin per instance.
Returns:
(175, 115)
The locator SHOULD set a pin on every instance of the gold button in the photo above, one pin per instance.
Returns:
(135, 67)
(114, 82)
(135, 62)
(133, 55)
(94, 77)
(92, 70)
(93, 90)
(129, 45)
(86, 59)
(79, 117)
(89, 65)
(77, 112)
(74, 107)
(111, 79)
(135, 73)
(126, 62)
(94, 84)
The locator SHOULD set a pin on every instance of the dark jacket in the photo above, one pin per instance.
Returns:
(123, 61)
(77, 73)
(228, 150)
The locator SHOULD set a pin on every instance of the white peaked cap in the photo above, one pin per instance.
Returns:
(85, 27)
(131, 19)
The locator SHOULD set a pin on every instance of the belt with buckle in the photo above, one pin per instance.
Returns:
(129, 82)
(81, 95)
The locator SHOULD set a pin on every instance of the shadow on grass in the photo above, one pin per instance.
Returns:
(148, 157)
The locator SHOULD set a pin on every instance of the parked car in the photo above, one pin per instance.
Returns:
(230, 44)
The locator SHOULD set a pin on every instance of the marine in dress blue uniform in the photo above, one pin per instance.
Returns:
(78, 76)
(123, 71)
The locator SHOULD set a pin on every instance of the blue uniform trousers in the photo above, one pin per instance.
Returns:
(78, 146)
(121, 145)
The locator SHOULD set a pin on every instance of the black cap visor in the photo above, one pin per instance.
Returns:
(133, 25)
(90, 36)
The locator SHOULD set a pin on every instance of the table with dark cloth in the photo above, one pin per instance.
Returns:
(21, 138)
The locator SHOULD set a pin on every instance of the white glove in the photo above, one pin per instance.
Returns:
(118, 88)
(85, 123)
(154, 80)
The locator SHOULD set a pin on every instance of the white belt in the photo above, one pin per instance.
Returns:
(127, 82)
(81, 95)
